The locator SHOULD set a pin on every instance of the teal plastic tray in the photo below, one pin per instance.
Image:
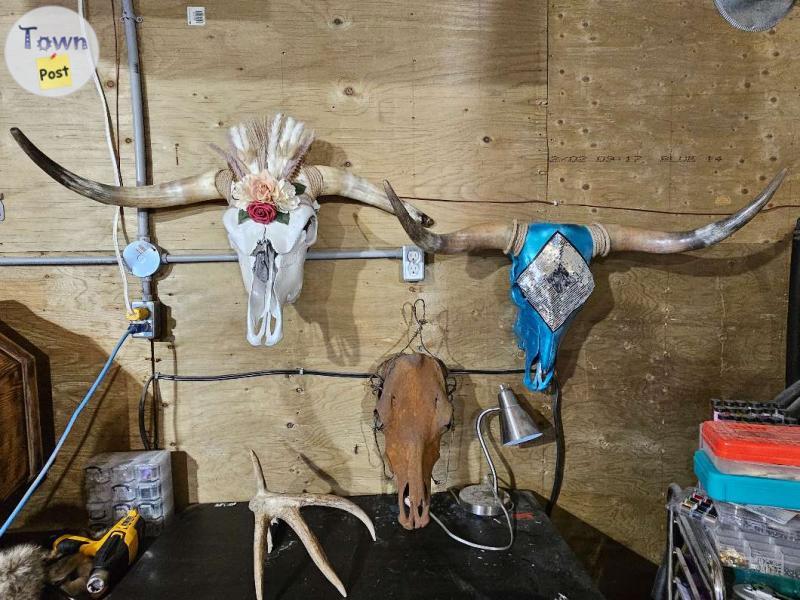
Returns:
(742, 489)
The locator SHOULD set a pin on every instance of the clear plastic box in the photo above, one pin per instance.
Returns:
(766, 521)
(119, 481)
(761, 539)
(772, 556)
(751, 469)
(755, 450)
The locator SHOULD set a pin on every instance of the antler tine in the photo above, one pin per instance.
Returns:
(261, 483)
(295, 520)
(261, 538)
(489, 236)
(190, 190)
(331, 501)
(338, 182)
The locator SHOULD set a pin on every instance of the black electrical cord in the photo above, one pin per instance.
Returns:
(145, 436)
(793, 312)
(486, 371)
(558, 476)
(265, 373)
(155, 377)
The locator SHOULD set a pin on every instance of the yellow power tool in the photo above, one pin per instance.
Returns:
(113, 553)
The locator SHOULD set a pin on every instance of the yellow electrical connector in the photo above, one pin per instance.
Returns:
(140, 313)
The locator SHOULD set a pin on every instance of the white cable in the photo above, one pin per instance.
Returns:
(473, 544)
(117, 172)
(123, 276)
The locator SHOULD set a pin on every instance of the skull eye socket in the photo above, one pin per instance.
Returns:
(377, 421)
(444, 412)
(312, 221)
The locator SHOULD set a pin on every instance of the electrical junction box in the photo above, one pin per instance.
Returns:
(142, 258)
(151, 326)
(413, 263)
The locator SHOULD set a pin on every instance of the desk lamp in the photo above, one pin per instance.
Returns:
(517, 427)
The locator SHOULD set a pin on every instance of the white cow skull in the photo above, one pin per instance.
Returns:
(271, 258)
(264, 158)
(272, 219)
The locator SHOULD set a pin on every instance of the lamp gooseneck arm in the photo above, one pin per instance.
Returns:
(478, 423)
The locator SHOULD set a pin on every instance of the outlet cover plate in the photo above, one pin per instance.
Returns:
(152, 322)
(413, 263)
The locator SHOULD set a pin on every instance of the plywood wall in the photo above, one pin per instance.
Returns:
(647, 114)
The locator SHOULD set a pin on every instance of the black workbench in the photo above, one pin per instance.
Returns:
(207, 554)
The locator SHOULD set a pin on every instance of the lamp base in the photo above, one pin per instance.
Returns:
(479, 500)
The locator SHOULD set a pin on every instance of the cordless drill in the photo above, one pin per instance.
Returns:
(113, 553)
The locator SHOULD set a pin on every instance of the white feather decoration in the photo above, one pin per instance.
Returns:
(277, 145)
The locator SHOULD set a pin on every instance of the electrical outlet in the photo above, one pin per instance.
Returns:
(413, 263)
(151, 325)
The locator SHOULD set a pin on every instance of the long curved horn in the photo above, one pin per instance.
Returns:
(508, 237)
(208, 186)
(191, 190)
(624, 238)
(489, 236)
(339, 182)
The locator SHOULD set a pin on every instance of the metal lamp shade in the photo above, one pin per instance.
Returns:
(753, 15)
(516, 425)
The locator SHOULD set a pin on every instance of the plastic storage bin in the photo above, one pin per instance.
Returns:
(742, 489)
(752, 449)
(766, 521)
(758, 539)
(744, 550)
(119, 481)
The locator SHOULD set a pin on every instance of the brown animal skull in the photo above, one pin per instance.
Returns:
(413, 411)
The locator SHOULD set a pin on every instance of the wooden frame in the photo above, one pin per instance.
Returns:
(33, 371)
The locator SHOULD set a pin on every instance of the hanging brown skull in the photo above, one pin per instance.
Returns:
(413, 411)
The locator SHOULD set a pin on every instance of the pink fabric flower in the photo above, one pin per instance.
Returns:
(259, 187)
(262, 212)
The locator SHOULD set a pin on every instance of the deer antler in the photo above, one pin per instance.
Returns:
(268, 507)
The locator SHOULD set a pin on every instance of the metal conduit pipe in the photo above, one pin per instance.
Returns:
(312, 255)
(130, 20)
(167, 259)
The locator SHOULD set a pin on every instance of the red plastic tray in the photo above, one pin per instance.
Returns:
(752, 442)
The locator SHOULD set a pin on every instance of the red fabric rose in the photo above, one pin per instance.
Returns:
(261, 212)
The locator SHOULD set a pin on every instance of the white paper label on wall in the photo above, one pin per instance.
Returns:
(196, 15)
(51, 51)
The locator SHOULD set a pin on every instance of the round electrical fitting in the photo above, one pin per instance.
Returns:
(142, 258)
